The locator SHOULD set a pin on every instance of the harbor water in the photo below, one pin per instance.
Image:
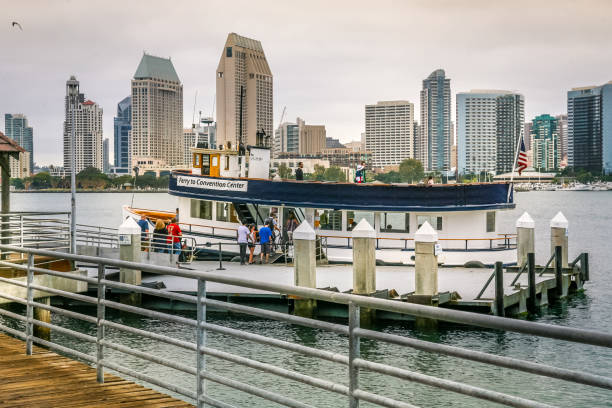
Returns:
(590, 228)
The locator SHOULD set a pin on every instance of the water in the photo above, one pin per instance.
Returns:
(590, 224)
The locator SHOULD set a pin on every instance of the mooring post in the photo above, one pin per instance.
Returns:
(364, 266)
(531, 278)
(558, 271)
(42, 315)
(305, 266)
(425, 270)
(499, 289)
(129, 250)
(585, 265)
(558, 237)
(525, 238)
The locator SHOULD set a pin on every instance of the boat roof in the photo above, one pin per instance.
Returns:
(345, 196)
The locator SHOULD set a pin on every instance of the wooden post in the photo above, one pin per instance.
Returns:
(558, 271)
(43, 315)
(6, 200)
(525, 238)
(305, 273)
(499, 289)
(129, 250)
(558, 237)
(531, 276)
(585, 265)
(425, 262)
(364, 266)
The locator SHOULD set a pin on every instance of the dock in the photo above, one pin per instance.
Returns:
(46, 379)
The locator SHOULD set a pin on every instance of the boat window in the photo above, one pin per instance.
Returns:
(227, 161)
(226, 212)
(434, 220)
(395, 222)
(491, 221)
(353, 218)
(206, 164)
(196, 160)
(329, 220)
(201, 209)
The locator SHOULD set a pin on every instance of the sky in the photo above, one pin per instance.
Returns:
(329, 58)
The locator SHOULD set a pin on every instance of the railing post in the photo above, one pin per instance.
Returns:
(559, 271)
(353, 354)
(499, 289)
(201, 342)
(21, 234)
(585, 265)
(220, 268)
(101, 316)
(29, 307)
(531, 277)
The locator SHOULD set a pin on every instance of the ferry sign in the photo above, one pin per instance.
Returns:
(212, 183)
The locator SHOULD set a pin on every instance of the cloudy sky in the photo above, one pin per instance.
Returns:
(329, 58)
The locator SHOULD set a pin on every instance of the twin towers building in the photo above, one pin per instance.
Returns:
(148, 127)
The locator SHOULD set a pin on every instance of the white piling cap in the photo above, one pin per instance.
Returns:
(426, 234)
(364, 230)
(304, 231)
(525, 221)
(559, 221)
(129, 226)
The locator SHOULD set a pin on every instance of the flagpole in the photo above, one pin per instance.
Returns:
(511, 187)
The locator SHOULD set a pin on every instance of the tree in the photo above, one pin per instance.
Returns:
(17, 183)
(41, 181)
(389, 177)
(92, 177)
(411, 171)
(334, 173)
(284, 171)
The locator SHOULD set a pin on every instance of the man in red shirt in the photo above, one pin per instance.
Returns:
(174, 237)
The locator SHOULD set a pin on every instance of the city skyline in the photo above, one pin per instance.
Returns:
(314, 79)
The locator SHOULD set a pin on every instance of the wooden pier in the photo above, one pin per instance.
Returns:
(46, 379)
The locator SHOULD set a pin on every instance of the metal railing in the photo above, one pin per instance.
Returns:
(45, 230)
(354, 391)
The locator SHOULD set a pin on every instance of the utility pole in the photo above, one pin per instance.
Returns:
(73, 93)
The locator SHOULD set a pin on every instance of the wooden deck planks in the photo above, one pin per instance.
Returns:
(46, 379)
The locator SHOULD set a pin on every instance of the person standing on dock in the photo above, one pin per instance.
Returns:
(252, 241)
(299, 172)
(144, 228)
(243, 233)
(264, 238)
(160, 234)
(174, 237)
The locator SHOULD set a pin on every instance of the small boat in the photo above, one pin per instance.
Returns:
(215, 196)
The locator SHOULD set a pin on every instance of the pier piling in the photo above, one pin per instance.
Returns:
(364, 265)
(499, 289)
(558, 272)
(129, 250)
(531, 279)
(304, 245)
(426, 269)
(43, 315)
(558, 237)
(525, 238)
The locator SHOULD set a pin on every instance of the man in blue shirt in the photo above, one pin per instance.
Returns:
(264, 238)
(144, 228)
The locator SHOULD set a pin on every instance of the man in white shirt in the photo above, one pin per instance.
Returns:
(243, 233)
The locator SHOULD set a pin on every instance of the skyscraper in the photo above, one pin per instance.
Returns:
(16, 127)
(244, 93)
(545, 147)
(589, 128)
(106, 155)
(122, 128)
(510, 116)
(434, 138)
(489, 123)
(157, 112)
(287, 138)
(299, 138)
(562, 131)
(389, 132)
(88, 131)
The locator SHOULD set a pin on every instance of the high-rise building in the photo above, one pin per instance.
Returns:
(86, 117)
(527, 132)
(157, 113)
(106, 156)
(122, 129)
(589, 128)
(562, 132)
(244, 93)
(509, 123)
(299, 138)
(546, 152)
(16, 127)
(434, 138)
(333, 143)
(389, 132)
(489, 123)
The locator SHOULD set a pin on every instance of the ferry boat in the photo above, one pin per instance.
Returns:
(215, 196)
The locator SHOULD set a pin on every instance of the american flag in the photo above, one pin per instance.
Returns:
(522, 158)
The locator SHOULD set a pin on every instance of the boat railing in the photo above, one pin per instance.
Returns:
(360, 367)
